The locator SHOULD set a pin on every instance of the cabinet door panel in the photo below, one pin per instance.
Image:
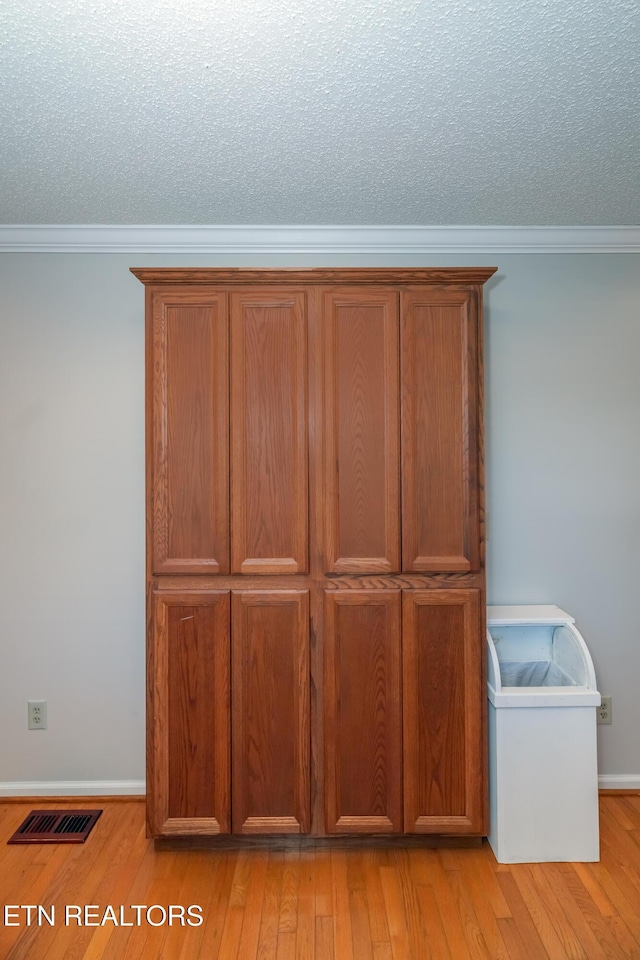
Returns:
(189, 713)
(440, 469)
(363, 732)
(269, 459)
(362, 522)
(443, 699)
(270, 711)
(189, 432)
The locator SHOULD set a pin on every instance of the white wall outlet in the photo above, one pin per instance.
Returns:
(37, 714)
(605, 711)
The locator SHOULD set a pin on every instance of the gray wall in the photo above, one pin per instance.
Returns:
(563, 472)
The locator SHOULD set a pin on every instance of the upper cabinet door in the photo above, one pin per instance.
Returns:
(188, 430)
(361, 423)
(269, 445)
(440, 403)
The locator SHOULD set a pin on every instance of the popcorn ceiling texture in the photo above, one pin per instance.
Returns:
(339, 111)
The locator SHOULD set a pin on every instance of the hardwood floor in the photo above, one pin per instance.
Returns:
(338, 903)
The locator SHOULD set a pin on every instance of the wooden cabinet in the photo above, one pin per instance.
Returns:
(315, 560)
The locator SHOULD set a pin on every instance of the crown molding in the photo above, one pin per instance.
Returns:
(263, 239)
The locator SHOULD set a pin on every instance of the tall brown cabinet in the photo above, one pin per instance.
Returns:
(315, 559)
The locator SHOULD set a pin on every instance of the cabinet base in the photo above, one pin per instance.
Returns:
(282, 842)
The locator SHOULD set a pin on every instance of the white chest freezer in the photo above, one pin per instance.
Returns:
(543, 776)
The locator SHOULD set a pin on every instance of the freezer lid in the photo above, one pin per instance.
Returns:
(502, 616)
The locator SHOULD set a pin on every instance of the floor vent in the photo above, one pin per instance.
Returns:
(56, 826)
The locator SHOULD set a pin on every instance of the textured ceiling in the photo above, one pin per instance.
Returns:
(299, 111)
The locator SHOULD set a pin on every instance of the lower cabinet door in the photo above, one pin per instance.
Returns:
(443, 697)
(363, 718)
(270, 711)
(229, 726)
(188, 788)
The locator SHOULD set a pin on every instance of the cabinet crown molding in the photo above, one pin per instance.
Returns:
(344, 275)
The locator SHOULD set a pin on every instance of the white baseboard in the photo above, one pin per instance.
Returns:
(72, 788)
(115, 788)
(619, 781)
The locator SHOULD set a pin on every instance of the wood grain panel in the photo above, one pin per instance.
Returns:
(363, 726)
(188, 455)
(362, 517)
(440, 524)
(270, 711)
(442, 707)
(269, 465)
(191, 711)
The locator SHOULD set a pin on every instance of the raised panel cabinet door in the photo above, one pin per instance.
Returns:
(188, 431)
(361, 423)
(363, 711)
(442, 710)
(270, 711)
(269, 433)
(440, 430)
(189, 714)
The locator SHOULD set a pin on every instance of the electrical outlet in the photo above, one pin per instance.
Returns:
(605, 711)
(37, 714)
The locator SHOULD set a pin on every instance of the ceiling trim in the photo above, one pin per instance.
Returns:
(264, 239)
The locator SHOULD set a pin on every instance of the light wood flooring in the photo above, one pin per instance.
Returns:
(371, 903)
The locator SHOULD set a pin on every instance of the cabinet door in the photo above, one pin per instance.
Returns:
(269, 455)
(361, 429)
(188, 431)
(188, 715)
(440, 459)
(443, 687)
(270, 711)
(363, 732)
